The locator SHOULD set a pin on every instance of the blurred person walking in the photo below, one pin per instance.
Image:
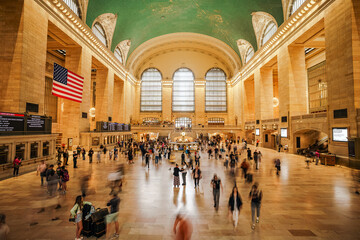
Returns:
(256, 196)
(235, 204)
(42, 170)
(182, 228)
(216, 185)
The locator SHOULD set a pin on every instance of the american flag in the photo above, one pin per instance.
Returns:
(67, 84)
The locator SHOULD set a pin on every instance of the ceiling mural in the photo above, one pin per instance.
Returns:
(141, 20)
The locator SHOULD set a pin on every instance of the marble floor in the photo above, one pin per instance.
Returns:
(301, 203)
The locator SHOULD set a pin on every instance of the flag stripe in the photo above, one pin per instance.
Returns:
(77, 77)
(62, 96)
(67, 84)
(59, 91)
(75, 83)
(67, 88)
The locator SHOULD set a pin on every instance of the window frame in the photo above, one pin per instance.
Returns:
(72, 4)
(141, 87)
(297, 4)
(247, 54)
(117, 49)
(193, 90)
(266, 32)
(103, 30)
(226, 91)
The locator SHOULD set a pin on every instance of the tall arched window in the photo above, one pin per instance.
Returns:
(249, 54)
(295, 6)
(118, 54)
(269, 31)
(99, 32)
(150, 97)
(74, 6)
(215, 98)
(183, 97)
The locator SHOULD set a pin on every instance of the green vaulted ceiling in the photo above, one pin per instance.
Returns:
(141, 20)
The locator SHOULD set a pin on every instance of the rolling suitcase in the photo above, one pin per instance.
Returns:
(249, 178)
(99, 228)
(87, 228)
(99, 214)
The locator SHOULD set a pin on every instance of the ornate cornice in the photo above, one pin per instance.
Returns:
(64, 15)
(309, 10)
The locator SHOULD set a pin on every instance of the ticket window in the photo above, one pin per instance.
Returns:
(46, 149)
(34, 150)
(20, 150)
(4, 154)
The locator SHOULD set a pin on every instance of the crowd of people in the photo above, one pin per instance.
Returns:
(234, 155)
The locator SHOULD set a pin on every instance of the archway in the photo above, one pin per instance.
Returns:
(310, 140)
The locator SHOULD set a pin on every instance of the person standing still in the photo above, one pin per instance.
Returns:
(90, 153)
(16, 165)
(249, 154)
(255, 195)
(113, 216)
(176, 176)
(66, 157)
(256, 159)
(183, 173)
(197, 176)
(83, 153)
(42, 170)
(75, 156)
(216, 185)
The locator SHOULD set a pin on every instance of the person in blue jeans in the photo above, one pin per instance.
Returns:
(256, 196)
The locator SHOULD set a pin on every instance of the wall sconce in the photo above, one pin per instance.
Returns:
(275, 102)
(253, 127)
(246, 127)
(275, 126)
(92, 112)
(264, 127)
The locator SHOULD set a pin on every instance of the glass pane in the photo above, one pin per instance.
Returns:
(215, 98)
(183, 91)
(269, 32)
(118, 54)
(151, 98)
(295, 5)
(99, 33)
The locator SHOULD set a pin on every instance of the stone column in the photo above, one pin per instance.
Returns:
(167, 100)
(101, 105)
(263, 82)
(342, 68)
(137, 104)
(292, 87)
(200, 114)
(23, 56)
(118, 101)
(69, 111)
(230, 105)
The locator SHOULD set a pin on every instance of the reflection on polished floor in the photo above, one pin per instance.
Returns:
(315, 203)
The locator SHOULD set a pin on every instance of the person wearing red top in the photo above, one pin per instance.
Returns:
(16, 163)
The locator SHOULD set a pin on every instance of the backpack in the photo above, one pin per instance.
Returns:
(65, 176)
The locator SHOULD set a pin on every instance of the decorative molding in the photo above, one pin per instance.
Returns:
(64, 16)
(124, 47)
(307, 12)
(260, 20)
(243, 46)
(108, 22)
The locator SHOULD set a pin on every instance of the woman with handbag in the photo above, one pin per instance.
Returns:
(76, 215)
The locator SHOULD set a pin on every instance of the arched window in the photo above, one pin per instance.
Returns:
(118, 54)
(183, 97)
(150, 97)
(99, 32)
(183, 122)
(249, 54)
(74, 6)
(295, 6)
(269, 31)
(215, 98)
